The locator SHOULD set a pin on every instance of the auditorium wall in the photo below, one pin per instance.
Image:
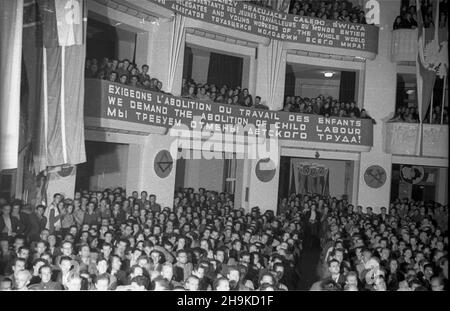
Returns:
(315, 87)
(109, 166)
(125, 44)
(206, 174)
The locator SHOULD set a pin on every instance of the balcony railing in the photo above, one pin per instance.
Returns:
(404, 43)
(126, 108)
(428, 140)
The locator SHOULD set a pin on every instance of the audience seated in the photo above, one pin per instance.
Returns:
(106, 240)
(344, 11)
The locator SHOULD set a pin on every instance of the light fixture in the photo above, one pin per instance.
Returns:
(409, 92)
(328, 74)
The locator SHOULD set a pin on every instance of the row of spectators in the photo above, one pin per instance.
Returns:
(344, 10)
(403, 248)
(410, 115)
(108, 241)
(122, 71)
(408, 16)
(325, 106)
(223, 95)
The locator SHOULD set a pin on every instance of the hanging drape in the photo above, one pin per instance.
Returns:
(310, 178)
(176, 46)
(347, 86)
(11, 20)
(225, 69)
(276, 57)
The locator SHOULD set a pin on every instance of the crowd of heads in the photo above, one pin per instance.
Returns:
(107, 240)
(324, 105)
(122, 71)
(410, 115)
(408, 15)
(220, 94)
(403, 248)
(344, 11)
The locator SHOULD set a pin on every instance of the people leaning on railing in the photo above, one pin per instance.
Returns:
(122, 71)
(220, 94)
(343, 11)
(325, 106)
(410, 115)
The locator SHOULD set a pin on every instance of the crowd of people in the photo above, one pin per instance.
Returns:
(344, 11)
(325, 106)
(122, 71)
(106, 240)
(220, 94)
(408, 15)
(410, 115)
(403, 248)
(110, 241)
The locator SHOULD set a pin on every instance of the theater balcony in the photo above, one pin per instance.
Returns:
(117, 108)
(413, 139)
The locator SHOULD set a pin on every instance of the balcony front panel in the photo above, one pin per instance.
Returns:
(404, 43)
(435, 141)
(404, 139)
(302, 33)
(130, 108)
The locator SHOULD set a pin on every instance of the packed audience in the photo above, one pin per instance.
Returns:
(223, 95)
(122, 71)
(325, 106)
(403, 248)
(110, 241)
(408, 15)
(344, 11)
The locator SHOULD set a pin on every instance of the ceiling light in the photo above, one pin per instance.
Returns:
(328, 74)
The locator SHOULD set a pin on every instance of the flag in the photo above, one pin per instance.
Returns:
(428, 44)
(11, 16)
(54, 56)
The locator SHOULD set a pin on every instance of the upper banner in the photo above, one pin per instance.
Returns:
(277, 25)
(120, 102)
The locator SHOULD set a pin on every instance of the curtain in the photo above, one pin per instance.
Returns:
(176, 46)
(187, 64)
(310, 178)
(347, 86)
(276, 57)
(225, 69)
(11, 20)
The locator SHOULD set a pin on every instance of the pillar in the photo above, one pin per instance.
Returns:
(152, 164)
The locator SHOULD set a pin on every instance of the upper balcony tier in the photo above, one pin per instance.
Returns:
(236, 18)
(118, 107)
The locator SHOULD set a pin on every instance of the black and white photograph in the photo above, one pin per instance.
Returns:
(223, 146)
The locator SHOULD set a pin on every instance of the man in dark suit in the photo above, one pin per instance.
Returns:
(336, 276)
(37, 222)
